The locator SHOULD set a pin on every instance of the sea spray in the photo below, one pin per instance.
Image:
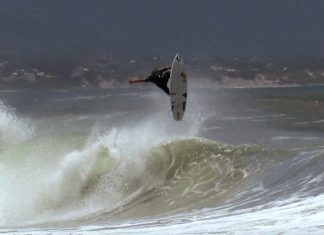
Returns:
(14, 129)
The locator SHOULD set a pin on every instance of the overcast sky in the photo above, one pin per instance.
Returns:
(207, 28)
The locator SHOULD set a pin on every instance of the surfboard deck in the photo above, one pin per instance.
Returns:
(178, 88)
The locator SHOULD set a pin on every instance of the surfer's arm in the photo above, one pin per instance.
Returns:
(137, 81)
(165, 69)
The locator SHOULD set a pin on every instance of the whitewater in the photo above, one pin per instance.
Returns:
(94, 161)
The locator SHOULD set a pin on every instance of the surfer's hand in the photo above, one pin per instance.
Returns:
(130, 81)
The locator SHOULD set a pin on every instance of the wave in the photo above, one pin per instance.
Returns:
(76, 177)
(102, 177)
(141, 170)
(186, 174)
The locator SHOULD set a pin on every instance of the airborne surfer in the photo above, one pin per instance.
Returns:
(159, 77)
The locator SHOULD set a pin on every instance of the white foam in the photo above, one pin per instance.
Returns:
(43, 179)
(14, 129)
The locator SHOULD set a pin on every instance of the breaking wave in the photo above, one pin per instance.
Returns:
(118, 173)
(140, 170)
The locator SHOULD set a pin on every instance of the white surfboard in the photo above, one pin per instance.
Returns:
(178, 88)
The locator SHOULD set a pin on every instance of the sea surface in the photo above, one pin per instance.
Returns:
(94, 161)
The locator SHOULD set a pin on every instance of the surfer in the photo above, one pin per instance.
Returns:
(159, 77)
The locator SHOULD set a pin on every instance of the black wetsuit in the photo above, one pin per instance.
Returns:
(160, 79)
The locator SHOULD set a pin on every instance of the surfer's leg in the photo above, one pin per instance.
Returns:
(165, 89)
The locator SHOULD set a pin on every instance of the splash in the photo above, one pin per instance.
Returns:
(13, 129)
(75, 177)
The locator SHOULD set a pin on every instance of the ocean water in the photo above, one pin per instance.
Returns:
(243, 161)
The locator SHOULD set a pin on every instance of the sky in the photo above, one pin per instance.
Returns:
(196, 28)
